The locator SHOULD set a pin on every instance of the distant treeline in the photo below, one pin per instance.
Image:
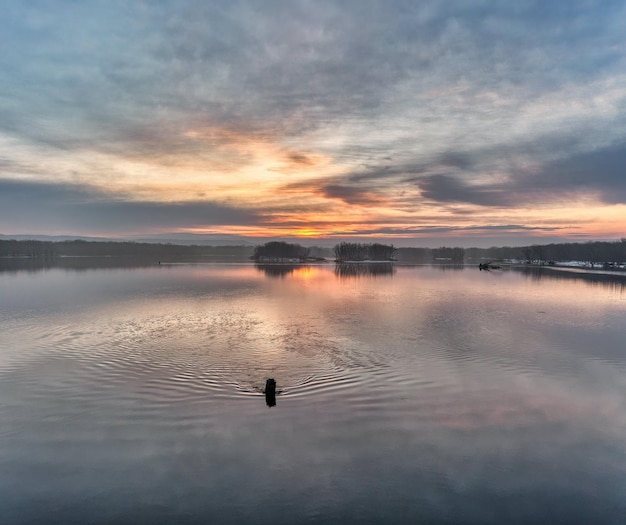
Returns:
(444, 254)
(593, 253)
(140, 251)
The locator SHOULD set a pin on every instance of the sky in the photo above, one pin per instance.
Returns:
(423, 123)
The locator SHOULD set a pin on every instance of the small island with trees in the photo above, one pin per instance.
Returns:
(282, 252)
(345, 252)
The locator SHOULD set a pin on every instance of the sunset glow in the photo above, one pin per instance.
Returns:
(443, 123)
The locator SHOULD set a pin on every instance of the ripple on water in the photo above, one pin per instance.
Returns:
(205, 355)
(185, 358)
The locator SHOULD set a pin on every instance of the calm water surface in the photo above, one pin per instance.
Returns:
(405, 395)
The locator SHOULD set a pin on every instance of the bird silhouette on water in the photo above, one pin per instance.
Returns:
(270, 392)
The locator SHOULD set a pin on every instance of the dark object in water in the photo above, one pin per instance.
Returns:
(270, 392)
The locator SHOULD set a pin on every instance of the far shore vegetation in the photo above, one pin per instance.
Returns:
(593, 254)
(278, 251)
(354, 252)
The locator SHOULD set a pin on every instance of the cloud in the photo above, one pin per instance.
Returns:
(290, 67)
(485, 104)
(299, 158)
(350, 195)
(441, 229)
(598, 172)
(24, 206)
(445, 188)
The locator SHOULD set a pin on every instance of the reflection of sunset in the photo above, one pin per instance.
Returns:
(307, 273)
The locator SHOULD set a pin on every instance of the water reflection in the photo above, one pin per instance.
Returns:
(447, 267)
(430, 397)
(354, 270)
(34, 265)
(614, 281)
(276, 270)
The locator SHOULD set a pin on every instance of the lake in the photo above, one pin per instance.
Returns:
(404, 395)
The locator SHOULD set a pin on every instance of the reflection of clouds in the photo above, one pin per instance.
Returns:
(511, 401)
(431, 396)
